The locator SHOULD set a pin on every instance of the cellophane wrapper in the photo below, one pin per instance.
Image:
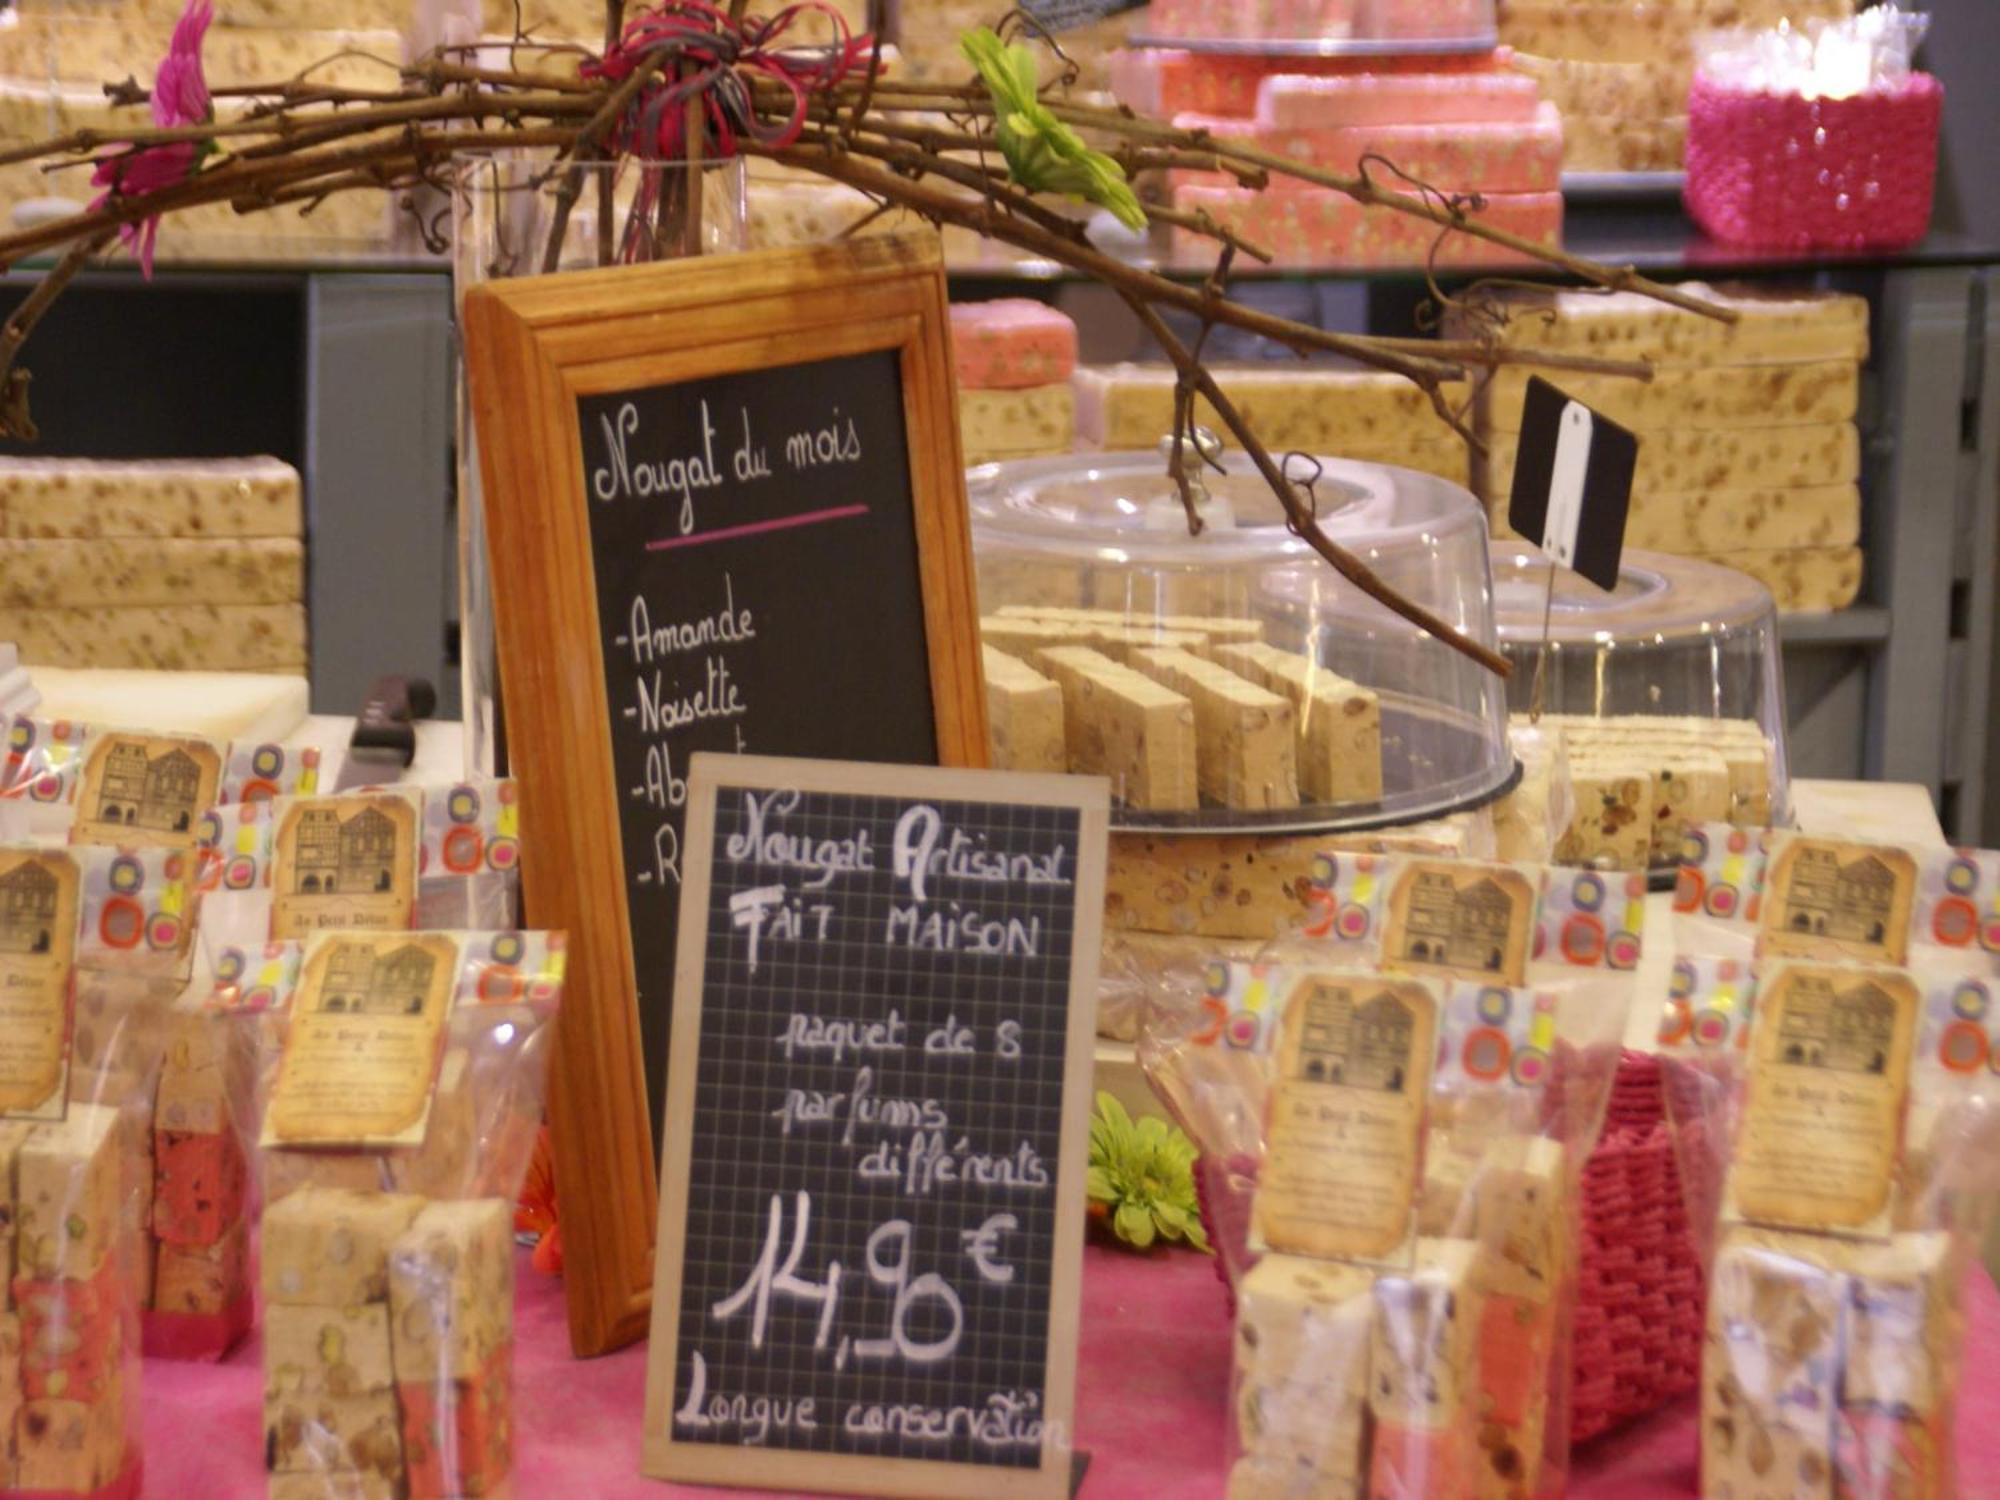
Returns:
(387, 1275)
(1834, 1341)
(1441, 1368)
(468, 861)
(78, 1183)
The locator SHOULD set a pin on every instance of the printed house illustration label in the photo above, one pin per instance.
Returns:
(1821, 1124)
(146, 791)
(361, 1059)
(1354, 1061)
(344, 863)
(1830, 900)
(1467, 922)
(38, 914)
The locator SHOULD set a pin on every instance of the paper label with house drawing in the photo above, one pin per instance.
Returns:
(344, 864)
(1468, 921)
(1834, 900)
(1352, 1078)
(361, 1058)
(38, 897)
(145, 791)
(1830, 1063)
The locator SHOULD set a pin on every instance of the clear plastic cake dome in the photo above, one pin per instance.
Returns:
(1679, 640)
(1391, 724)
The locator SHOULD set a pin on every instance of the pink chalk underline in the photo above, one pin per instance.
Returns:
(751, 528)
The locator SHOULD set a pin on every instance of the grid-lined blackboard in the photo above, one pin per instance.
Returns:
(871, 1223)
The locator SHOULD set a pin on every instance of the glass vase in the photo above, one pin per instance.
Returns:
(522, 213)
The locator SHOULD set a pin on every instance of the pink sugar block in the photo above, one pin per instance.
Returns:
(1459, 157)
(1167, 82)
(1288, 101)
(1305, 230)
(1011, 344)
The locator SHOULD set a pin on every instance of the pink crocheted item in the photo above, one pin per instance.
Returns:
(1780, 171)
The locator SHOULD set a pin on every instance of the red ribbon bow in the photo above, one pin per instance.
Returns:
(711, 49)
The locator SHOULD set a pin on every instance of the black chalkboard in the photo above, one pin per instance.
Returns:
(872, 1132)
(754, 546)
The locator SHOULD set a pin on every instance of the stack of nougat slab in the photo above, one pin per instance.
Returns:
(1748, 452)
(184, 565)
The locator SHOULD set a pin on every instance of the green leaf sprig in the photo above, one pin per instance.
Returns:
(1043, 154)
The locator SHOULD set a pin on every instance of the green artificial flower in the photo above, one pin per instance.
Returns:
(1043, 154)
(1142, 1178)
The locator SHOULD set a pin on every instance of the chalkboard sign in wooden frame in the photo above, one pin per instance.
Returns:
(866, 627)
(878, 1113)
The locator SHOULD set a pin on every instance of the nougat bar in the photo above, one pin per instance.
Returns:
(73, 1446)
(329, 1247)
(1305, 1322)
(69, 1183)
(328, 1434)
(1801, 579)
(1771, 326)
(1127, 727)
(1013, 343)
(1698, 460)
(310, 1352)
(451, 1289)
(1423, 1358)
(205, 1280)
(153, 570)
(208, 1062)
(72, 1334)
(162, 638)
(1024, 715)
(1518, 1218)
(1339, 722)
(200, 1185)
(1315, 410)
(1613, 824)
(1017, 423)
(1246, 742)
(1802, 394)
(458, 1433)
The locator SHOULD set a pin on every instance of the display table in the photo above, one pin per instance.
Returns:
(1153, 1373)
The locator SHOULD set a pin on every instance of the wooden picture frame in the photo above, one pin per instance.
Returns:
(535, 348)
(776, 1467)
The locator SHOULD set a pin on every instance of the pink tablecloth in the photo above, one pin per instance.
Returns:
(1154, 1365)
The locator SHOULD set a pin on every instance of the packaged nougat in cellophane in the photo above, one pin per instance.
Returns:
(93, 949)
(96, 784)
(1831, 1038)
(442, 857)
(1408, 1091)
(399, 1110)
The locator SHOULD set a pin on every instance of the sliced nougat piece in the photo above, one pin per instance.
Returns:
(1806, 393)
(1339, 722)
(1121, 642)
(73, 1344)
(1259, 1476)
(1017, 423)
(204, 1280)
(1301, 1321)
(209, 1061)
(1612, 827)
(12, 1137)
(1245, 735)
(1690, 787)
(1902, 1324)
(329, 1247)
(1024, 715)
(1770, 1370)
(1221, 629)
(331, 1435)
(71, 1447)
(350, 1485)
(1518, 1218)
(1321, 1426)
(1127, 727)
(1801, 579)
(69, 1185)
(451, 1289)
(1022, 638)
(1424, 1355)
(1889, 1453)
(310, 1352)
(200, 1186)
(458, 1434)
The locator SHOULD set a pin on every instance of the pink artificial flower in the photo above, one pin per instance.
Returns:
(180, 97)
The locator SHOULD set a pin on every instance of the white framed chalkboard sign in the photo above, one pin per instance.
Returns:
(725, 511)
(878, 1108)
